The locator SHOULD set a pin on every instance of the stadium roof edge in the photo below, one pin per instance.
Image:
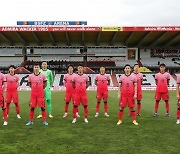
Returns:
(130, 36)
(87, 28)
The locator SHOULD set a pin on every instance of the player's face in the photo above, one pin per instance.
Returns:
(11, 70)
(44, 65)
(36, 69)
(70, 70)
(136, 68)
(162, 69)
(102, 70)
(80, 69)
(127, 70)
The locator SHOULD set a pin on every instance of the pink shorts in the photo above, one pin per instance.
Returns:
(102, 95)
(127, 101)
(69, 97)
(12, 96)
(34, 101)
(159, 95)
(79, 98)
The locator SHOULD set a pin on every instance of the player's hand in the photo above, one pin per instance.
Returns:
(135, 96)
(178, 97)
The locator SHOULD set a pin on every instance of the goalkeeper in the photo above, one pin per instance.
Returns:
(47, 90)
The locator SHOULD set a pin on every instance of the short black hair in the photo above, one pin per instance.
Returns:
(70, 66)
(44, 62)
(162, 64)
(12, 66)
(80, 64)
(127, 65)
(136, 64)
(36, 64)
(102, 66)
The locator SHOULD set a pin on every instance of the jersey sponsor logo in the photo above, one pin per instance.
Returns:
(40, 79)
(84, 78)
(131, 79)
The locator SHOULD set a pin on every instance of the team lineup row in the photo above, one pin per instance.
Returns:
(41, 81)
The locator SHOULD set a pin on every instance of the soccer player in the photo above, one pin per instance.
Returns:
(139, 77)
(127, 93)
(178, 97)
(70, 91)
(80, 82)
(2, 104)
(12, 83)
(47, 90)
(37, 81)
(162, 81)
(102, 80)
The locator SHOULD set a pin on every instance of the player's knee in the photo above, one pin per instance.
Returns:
(105, 102)
(67, 103)
(85, 106)
(98, 100)
(121, 109)
(42, 108)
(132, 109)
(75, 106)
(166, 101)
(178, 108)
(157, 101)
(3, 108)
(32, 108)
(139, 103)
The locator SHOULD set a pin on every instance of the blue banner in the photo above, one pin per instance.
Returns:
(51, 23)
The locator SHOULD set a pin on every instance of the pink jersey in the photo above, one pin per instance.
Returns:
(80, 83)
(162, 81)
(68, 82)
(139, 77)
(37, 82)
(178, 79)
(12, 82)
(2, 79)
(102, 82)
(127, 83)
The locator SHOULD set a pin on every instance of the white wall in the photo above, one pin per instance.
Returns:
(145, 53)
(6, 61)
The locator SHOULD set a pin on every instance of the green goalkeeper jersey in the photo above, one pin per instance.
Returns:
(49, 77)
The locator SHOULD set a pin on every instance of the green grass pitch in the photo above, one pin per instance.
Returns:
(100, 135)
